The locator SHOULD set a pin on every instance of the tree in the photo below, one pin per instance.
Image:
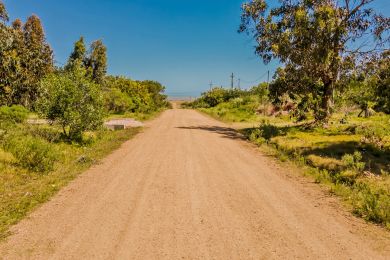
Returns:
(383, 83)
(3, 13)
(369, 84)
(261, 91)
(36, 61)
(9, 59)
(78, 55)
(72, 101)
(155, 90)
(96, 62)
(316, 39)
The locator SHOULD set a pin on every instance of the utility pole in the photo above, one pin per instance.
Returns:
(268, 78)
(232, 82)
(239, 83)
(211, 85)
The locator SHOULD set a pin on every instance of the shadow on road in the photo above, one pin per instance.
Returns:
(225, 132)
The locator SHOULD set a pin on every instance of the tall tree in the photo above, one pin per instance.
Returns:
(78, 55)
(37, 61)
(318, 40)
(97, 61)
(7, 56)
(3, 13)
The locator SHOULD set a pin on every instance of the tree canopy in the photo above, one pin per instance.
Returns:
(317, 40)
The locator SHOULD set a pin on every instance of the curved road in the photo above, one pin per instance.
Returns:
(189, 188)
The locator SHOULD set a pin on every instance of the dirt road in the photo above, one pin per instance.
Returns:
(189, 188)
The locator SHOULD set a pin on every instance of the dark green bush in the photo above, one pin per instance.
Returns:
(263, 133)
(32, 153)
(15, 114)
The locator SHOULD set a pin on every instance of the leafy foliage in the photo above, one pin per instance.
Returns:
(373, 134)
(72, 101)
(314, 40)
(15, 114)
(218, 95)
(32, 153)
(96, 62)
(126, 95)
(354, 161)
(78, 55)
(25, 57)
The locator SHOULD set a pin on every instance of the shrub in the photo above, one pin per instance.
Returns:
(264, 133)
(47, 133)
(373, 135)
(32, 153)
(214, 97)
(256, 136)
(268, 130)
(117, 102)
(373, 204)
(126, 95)
(353, 161)
(72, 101)
(15, 114)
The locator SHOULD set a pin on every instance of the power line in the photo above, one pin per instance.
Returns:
(257, 80)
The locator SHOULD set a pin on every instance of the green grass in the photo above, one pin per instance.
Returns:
(320, 152)
(21, 189)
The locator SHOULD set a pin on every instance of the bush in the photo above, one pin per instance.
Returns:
(32, 153)
(117, 102)
(73, 102)
(373, 204)
(126, 95)
(353, 162)
(373, 135)
(268, 131)
(264, 133)
(48, 133)
(14, 114)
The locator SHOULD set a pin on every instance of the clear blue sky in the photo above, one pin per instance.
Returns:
(184, 44)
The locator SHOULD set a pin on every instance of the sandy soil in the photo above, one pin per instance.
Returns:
(189, 188)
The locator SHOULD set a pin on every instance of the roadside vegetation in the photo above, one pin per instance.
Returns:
(327, 107)
(51, 118)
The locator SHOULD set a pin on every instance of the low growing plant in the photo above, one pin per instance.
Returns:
(353, 161)
(373, 135)
(14, 114)
(31, 153)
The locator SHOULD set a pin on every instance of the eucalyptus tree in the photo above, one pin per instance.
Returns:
(96, 62)
(78, 55)
(36, 59)
(317, 41)
(5, 46)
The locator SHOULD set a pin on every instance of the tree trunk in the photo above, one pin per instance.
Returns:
(324, 112)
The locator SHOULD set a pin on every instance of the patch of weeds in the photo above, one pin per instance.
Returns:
(14, 114)
(373, 135)
(354, 161)
(32, 153)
